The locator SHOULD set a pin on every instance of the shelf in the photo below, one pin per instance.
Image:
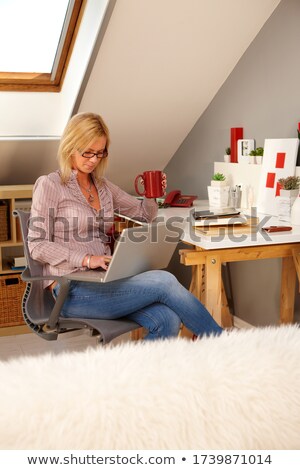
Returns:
(11, 243)
(17, 196)
(22, 191)
(11, 271)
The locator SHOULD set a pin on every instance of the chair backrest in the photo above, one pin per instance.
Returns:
(39, 307)
(35, 267)
(39, 302)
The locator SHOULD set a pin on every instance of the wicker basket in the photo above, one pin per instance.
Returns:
(11, 292)
(3, 223)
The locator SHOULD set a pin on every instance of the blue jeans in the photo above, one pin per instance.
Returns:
(153, 299)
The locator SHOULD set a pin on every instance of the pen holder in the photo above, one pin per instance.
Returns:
(235, 198)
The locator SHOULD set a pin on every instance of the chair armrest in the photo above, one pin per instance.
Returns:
(27, 277)
(63, 292)
(62, 295)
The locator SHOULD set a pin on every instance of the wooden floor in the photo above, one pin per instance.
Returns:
(19, 345)
(29, 344)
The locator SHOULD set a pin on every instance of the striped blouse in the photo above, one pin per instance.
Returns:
(64, 228)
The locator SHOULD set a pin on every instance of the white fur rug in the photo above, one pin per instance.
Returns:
(238, 391)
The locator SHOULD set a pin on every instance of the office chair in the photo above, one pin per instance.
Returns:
(42, 313)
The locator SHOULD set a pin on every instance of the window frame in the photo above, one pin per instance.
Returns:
(45, 82)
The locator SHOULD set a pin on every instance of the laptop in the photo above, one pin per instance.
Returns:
(138, 249)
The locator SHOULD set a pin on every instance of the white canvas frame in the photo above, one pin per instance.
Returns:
(279, 161)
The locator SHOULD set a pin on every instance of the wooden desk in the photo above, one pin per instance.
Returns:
(206, 254)
(207, 280)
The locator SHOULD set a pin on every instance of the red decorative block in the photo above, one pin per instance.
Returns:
(278, 188)
(280, 160)
(236, 133)
(270, 180)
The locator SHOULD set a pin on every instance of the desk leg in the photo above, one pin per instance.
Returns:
(213, 287)
(296, 257)
(226, 317)
(215, 297)
(197, 287)
(288, 285)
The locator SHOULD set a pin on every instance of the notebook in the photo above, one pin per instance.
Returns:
(226, 216)
(138, 249)
(215, 213)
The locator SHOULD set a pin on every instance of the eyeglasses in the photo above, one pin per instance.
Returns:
(102, 154)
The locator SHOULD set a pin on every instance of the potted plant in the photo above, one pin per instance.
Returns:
(252, 156)
(259, 155)
(288, 194)
(289, 186)
(255, 156)
(218, 191)
(218, 180)
(227, 156)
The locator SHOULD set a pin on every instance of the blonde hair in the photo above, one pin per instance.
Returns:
(80, 131)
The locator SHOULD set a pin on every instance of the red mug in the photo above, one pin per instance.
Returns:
(152, 182)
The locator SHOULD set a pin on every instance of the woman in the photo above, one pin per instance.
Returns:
(71, 219)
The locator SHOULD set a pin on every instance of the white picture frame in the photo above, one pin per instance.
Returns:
(279, 161)
(244, 147)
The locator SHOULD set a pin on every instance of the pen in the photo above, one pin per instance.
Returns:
(277, 228)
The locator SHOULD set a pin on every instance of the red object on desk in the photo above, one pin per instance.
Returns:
(236, 133)
(277, 228)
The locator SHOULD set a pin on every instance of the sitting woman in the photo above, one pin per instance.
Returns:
(71, 217)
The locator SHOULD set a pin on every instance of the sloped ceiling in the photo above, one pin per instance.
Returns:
(159, 66)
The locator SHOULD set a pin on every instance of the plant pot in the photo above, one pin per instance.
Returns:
(218, 184)
(285, 203)
(290, 193)
(218, 196)
(258, 159)
(252, 159)
(295, 212)
(227, 158)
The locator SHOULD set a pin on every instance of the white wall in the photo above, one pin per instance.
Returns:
(159, 66)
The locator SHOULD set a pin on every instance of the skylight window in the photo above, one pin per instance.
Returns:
(38, 37)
